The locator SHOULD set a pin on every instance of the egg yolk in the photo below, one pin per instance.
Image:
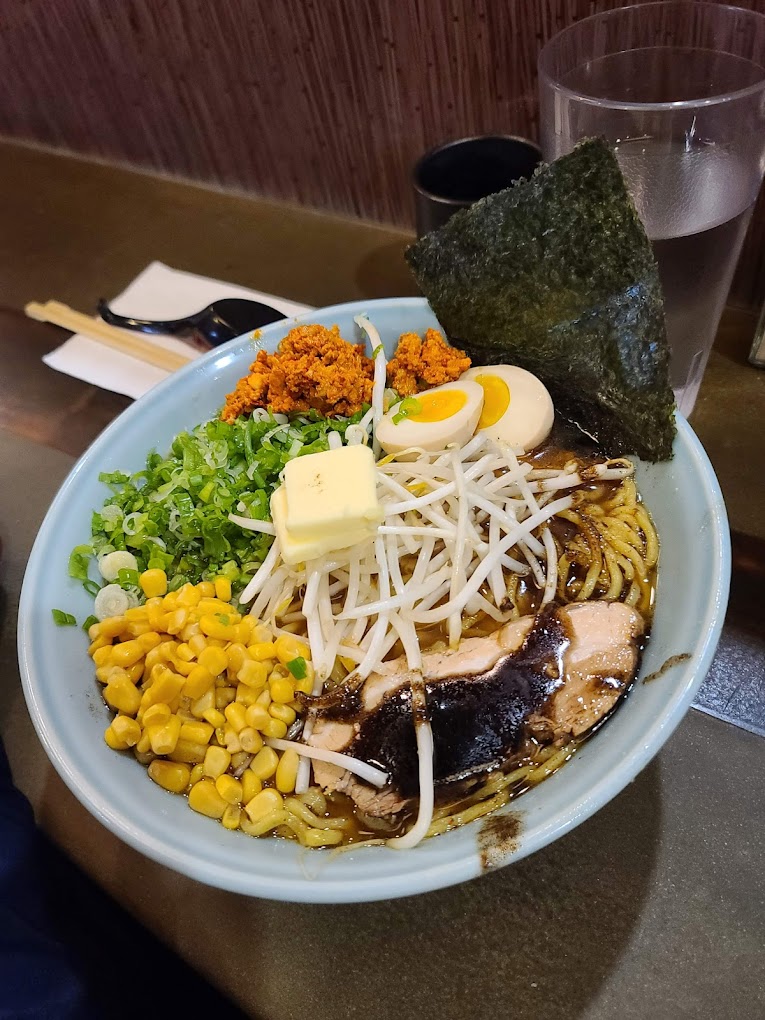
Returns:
(496, 399)
(438, 406)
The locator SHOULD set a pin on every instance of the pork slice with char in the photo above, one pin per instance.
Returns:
(554, 676)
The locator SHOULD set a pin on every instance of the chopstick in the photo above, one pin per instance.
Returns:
(110, 336)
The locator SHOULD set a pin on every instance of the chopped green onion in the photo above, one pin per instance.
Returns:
(174, 514)
(297, 667)
(127, 578)
(79, 560)
(407, 407)
(224, 619)
(377, 350)
(89, 623)
(91, 587)
(62, 619)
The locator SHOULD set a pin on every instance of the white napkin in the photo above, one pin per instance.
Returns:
(158, 292)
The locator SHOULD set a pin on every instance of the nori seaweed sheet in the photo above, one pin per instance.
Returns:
(556, 274)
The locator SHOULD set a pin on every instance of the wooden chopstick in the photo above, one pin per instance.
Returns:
(110, 336)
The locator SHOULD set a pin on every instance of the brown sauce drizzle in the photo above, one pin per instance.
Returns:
(673, 660)
(498, 838)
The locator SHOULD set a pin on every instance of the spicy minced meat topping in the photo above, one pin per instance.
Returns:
(419, 364)
(315, 369)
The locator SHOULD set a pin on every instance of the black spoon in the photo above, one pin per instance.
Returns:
(214, 325)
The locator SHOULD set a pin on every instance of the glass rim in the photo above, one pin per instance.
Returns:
(455, 143)
(680, 104)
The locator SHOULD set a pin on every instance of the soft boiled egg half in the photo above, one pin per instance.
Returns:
(517, 408)
(434, 418)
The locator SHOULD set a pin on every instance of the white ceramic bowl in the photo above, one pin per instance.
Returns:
(69, 714)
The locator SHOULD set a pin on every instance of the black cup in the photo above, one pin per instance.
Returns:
(454, 175)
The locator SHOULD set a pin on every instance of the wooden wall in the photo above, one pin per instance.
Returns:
(327, 103)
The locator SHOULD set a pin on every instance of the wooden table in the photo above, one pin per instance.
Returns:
(652, 908)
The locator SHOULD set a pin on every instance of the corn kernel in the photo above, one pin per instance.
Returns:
(264, 698)
(286, 771)
(215, 717)
(156, 715)
(220, 735)
(246, 695)
(198, 731)
(263, 804)
(170, 602)
(214, 660)
(275, 728)
(165, 736)
(138, 628)
(261, 650)
(113, 740)
(216, 761)
(305, 686)
(213, 606)
(185, 653)
(264, 763)
(197, 644)
(252, 673)
(250, 785)
(204, 798)
(99, 642)
(236, 654)
(245, 629)
(105, 673)
(206, 589)
(224, 696)
(165, 686)
(156, 616)
(190, 631)
(153, 582)
(229, 788)
(122, 696)
(177, 620)
(197, 773)
(153, 658)
(170, 775)
(103, 656)
(184, 668)
(134, 672)
(262, 632)
(284, 713)
(136, 614)
(188, 596)
(231, 817)
(282, 690)
(250, 740)
(216, 627)
(289, 647)
(231, 739)
(144, 744)
(236, 716)
(257, 717)
(203, 704)
(198, 682)
(222, 589)
(188, 751)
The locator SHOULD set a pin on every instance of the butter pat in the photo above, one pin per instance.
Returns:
(332, 494)
(298, 550)
(332, 499)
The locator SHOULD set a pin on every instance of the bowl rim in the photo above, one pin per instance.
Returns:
(404, 883)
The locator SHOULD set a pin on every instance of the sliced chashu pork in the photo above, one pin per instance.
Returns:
(554, 676)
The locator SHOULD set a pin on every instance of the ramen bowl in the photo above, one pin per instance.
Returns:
(70, 716)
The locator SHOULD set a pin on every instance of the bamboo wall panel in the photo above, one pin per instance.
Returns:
(327, 103)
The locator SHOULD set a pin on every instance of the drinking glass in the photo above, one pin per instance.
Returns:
(678, 88)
